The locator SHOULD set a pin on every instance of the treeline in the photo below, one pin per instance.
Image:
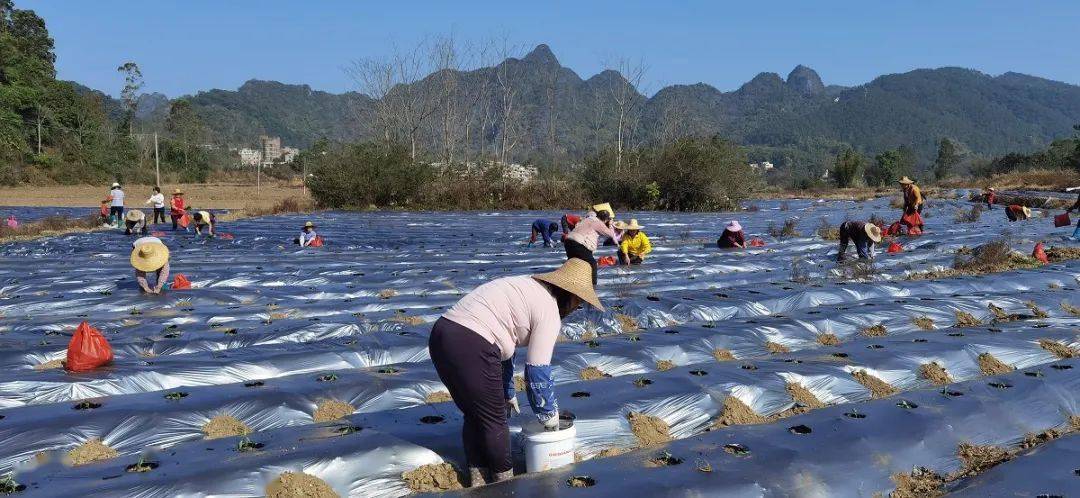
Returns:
(689, 174)
(852, 169)
(56, 131)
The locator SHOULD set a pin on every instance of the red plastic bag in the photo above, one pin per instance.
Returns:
(914, 231)
(606, 261)
(87, 350)
(1039, 253)
(157, 233)
(226, 236)
(756, 242)
(180, 282)
(1062, 220)
(894, 248)
(185, 220)
(316, 242)
(894, 229)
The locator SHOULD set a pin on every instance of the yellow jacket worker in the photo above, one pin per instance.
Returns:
(634, 246)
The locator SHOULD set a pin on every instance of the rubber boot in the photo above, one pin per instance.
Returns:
(476, 476)
(503, 476)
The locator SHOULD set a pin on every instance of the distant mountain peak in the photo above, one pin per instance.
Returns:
(806, 81)
(542, 54)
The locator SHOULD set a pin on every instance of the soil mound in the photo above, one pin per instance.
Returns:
(91, 451)
(665, 365)
(1036, 310)
(965, 319)
(735, 412)
(433, 477)
(438, 397)
(992, 366)
(406, 319)
(874, 331)
(1058, 349)
(332, 409)
(924, 322)
(920, 483)
(723, 355)
(627, 323)
(1070, 309)
(1058, 254)
(225, 426)
(878, 388)
(935, 373)
(592, 373)
(828, 339)
(299, 485)
(649, 430)
(803, 396)
(387, 293)
(978, 458)
(50, 365)
(610, 452)
(775, 347)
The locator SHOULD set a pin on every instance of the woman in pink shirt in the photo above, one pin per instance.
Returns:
(472, 347)
(582, 241)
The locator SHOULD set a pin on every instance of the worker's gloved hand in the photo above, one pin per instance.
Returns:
(541, 392)
(512, 407)
(552, 423)
(508, 379)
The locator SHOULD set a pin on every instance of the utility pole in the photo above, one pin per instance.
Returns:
(157, 163)
(258, 179)
(39, 129)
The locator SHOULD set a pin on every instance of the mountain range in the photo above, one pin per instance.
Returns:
(559, 115)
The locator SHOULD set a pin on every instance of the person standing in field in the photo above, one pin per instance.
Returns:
(913, 202)
(582, 241)
(472, 348)
(176, 208)
(991, 196)
(1076, 207)
(116, 204)
(157, 200)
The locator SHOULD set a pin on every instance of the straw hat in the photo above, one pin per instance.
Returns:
(149, 256)
(115, 185)
(575, 277)
(177, 192)
(906, 181)
(734, 226)
(1027, 211)
(134, 215)
(633, 225)
(309, 225)
(992, 189)
(619, 225)
(873, 231)
(604, 207)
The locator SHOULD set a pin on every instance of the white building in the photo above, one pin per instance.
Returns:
(288, 154)
(763, 166)
(250, 157)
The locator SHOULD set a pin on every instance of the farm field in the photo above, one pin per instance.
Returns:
(767, 372)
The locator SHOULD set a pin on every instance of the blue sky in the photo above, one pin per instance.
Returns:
(187, 46)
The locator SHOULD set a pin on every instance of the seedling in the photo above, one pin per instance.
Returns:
(143, 465)
(135, 311)
(703, 465)
(9, 486)
(327, 377)
(247, 445)
(176, 396)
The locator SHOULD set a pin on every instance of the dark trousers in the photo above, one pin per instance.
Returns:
(471, 369)
(634, 259)
(116, 212)
(159, 215)
(574, 249)
(175, 219)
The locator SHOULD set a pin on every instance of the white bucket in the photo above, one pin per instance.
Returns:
(546, 450)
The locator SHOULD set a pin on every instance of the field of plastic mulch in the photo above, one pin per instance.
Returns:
(750, 373)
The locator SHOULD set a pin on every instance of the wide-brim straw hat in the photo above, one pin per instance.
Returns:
(1027, 211)
(604, 207)
(134, 215)
(734, 226)
(620, 225)
(309, 225)
(873, 231)
(992, 189)
(633, 225)
(906, 181)
(575, 277)
(114, 185)
(149, 256)
(177, 192)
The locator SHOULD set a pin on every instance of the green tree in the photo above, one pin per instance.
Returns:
(703, 175)
(364, 174)
(186, 128)
(885, 170)
(947, 158)
(133, 82)
(848, 169)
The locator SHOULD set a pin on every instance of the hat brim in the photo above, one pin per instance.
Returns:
(560, 279)
(152, 262)
(905, 182)
(131, 216)
(875, 235)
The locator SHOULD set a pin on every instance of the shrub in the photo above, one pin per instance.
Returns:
(787, 230)
(364, 174)
(827, 231)
(971, 216)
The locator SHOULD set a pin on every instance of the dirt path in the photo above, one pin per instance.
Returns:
(210, 196)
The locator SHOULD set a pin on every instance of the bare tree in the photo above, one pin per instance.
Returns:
(672, 121)
(626, 102)
(375, 78)
(447, 60)
(401, 103)
(508, 87)
(551, 80)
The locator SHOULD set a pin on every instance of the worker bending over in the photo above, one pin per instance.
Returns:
(149, 255)
(546, 229)
(472, 347)
(1016, 212)
(863, 234)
